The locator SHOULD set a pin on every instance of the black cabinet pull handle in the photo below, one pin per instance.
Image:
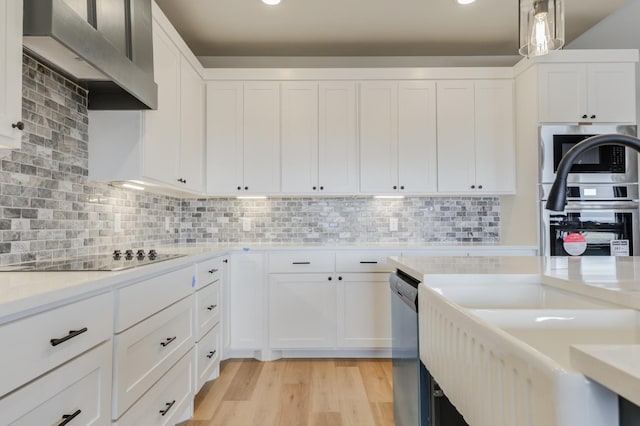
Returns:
(213, 271)
(166, 342)
(66, 418)
(330, 278)
(402, 187)
(322, 188)
(369, 262)
(225, 261)
(301, 263)
(584, 116)
(71, 335)
(169, 405)
(211, 307)
(211, 354)
(479, 186)
(395, 187)
(19, 125)
(239, 188)
(314, 188)
(182, 180)
(246, 188)
(339, 278)
(593, 116)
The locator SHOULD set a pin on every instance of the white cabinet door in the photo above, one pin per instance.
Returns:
(417, 138)
(191, 128)
(302, 311)
(611, 92)
(247, 314)
(595, 93)
(563, 98)
(378, 136)
(299, 137)
(10, 73)
(337, 142)
(456, 136)
(261, 137)
(224, 137)
(495, 136)
(162, 126)
(364, 311)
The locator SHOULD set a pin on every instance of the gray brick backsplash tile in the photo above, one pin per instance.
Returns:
(49, 208)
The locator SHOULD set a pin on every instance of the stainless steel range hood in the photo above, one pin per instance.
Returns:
(105, 45)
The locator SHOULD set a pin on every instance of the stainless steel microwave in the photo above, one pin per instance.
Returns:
(604, 164)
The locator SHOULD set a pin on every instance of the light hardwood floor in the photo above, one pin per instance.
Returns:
(297, 392)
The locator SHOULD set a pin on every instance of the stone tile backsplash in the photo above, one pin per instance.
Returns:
(49, 208)
(452, 220)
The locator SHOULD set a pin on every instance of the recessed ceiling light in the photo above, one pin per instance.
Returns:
(462, 1)
(271, 2)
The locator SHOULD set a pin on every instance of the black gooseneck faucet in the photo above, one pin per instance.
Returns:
(558, 195)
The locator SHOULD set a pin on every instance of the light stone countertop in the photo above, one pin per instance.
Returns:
(31, 292)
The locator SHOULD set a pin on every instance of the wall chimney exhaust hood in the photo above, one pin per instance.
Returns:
(105, 45)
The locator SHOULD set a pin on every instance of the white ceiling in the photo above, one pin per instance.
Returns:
(362, 27)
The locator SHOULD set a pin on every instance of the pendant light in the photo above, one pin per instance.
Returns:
(541, 26)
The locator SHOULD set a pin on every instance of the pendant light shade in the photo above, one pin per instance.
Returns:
(541, 26)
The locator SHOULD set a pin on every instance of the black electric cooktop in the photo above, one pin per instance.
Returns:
(116, 261)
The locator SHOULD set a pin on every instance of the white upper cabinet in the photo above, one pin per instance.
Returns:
(243, 138)
(594, 93)
(319, 146)
(476, 139)
(398, 137)
(163, 148)
(10, 73)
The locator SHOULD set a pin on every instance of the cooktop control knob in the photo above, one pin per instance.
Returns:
(117, 254)
(128, 254)
(153, 254)
(140, 254)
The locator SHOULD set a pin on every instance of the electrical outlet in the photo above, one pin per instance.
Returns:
(117, 222)
(246, 224)
(393, 224)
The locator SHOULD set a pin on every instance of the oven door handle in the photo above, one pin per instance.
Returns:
(601, 205)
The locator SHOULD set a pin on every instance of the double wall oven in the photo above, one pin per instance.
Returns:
(601, 216)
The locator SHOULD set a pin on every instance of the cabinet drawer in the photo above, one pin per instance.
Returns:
(207, 309)
(146, 351)
(144, 298)
(208, 271)
(29, 346)
(172, 395)
(81, 386)
(207, 357)
(364, 261)
(301, 261)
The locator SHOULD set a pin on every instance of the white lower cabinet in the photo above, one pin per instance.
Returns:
(167, 400)
(147, 350)
(207, 309)
(364, 310)
(247, 301)
(78, 392)
(302, 311)
(207, 358)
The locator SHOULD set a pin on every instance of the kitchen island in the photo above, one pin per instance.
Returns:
(511, 340)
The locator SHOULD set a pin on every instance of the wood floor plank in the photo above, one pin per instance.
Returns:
(325, 419)
(294, 405)
(382, 413)
(297, 372)
(266, 397)
(350, 385)
(324, 397)
(244, 381)
(375, 381)
(233, 413)
(209, 398)
(346, 362)
(356, 413)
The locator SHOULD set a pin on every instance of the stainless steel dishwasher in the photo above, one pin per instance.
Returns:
(417, 398)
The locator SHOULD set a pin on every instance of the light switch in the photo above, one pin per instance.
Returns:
(393, 224)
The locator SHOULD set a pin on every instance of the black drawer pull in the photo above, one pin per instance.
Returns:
(66, 418)
(213, 271)
(301, 263)
(169, 405)
(71, 335)
(211, 307)
(211, 354)
(369, 262)
(166, 342)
